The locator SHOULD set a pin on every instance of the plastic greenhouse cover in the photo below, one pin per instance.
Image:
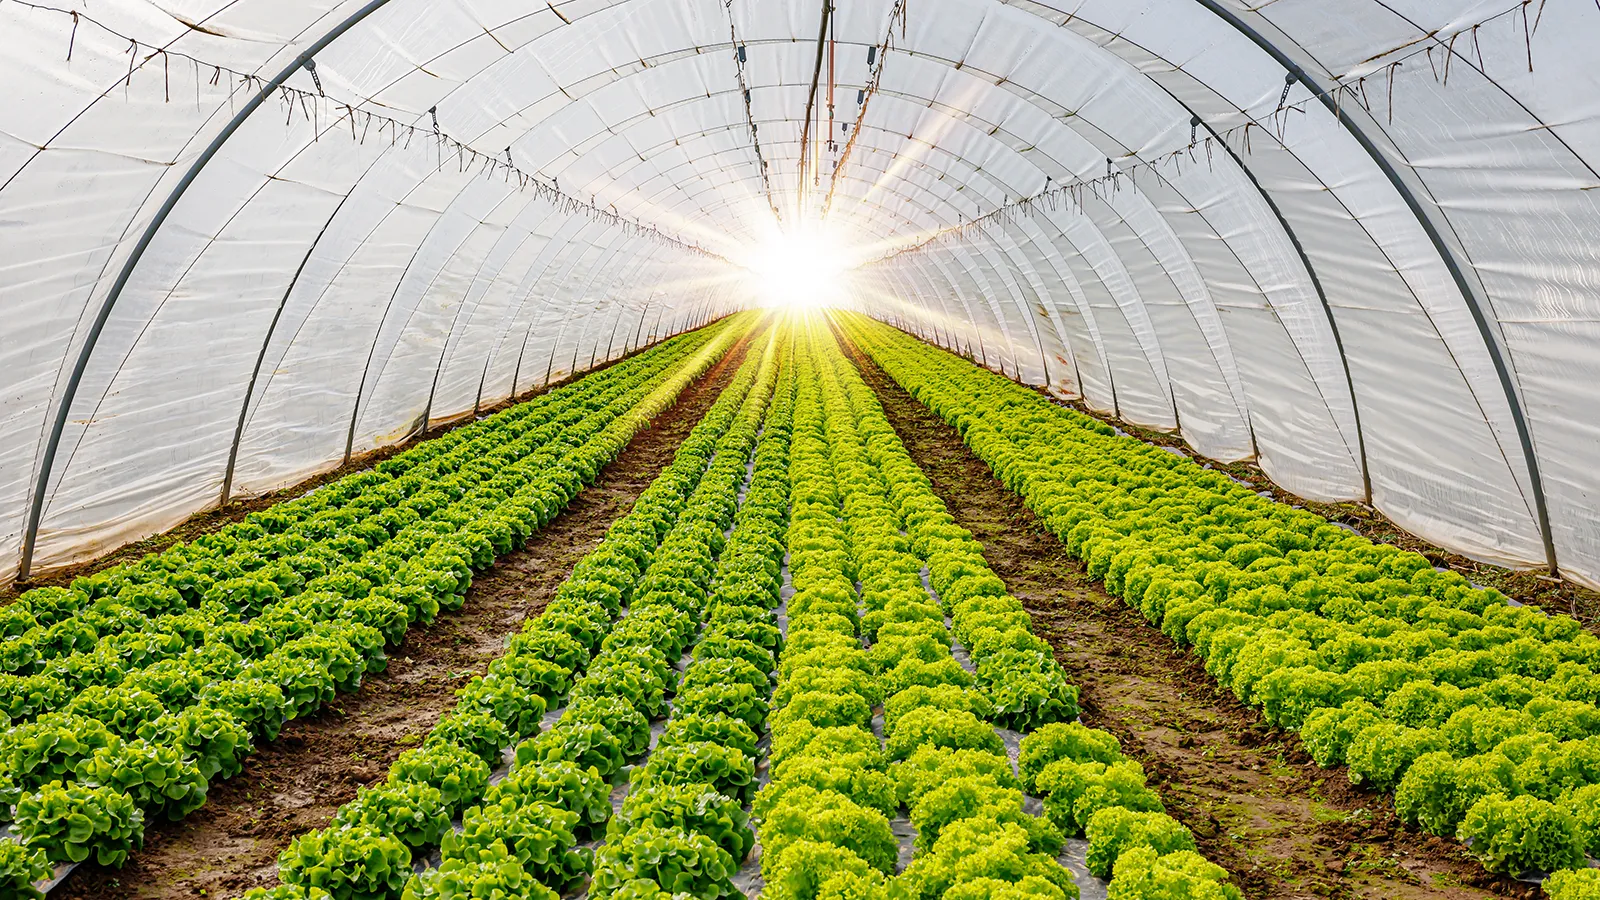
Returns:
(1346, 238)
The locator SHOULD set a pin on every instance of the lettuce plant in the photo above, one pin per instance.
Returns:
(458, 774)
(688, 807)
(350, 862)
(414, 813)
(492, 873)
(726, 769)
(564, 785)
(159, 777)
(1521, 834)
(477, 732)
(1115, 830)
(538, 835)
(1143, 872)
(75, 822)
(20, 866)
(676, 860)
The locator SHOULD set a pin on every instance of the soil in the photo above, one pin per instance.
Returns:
(210, 520)
(298, 782)
(1257, 804)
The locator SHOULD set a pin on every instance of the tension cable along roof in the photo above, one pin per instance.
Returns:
(244, 240)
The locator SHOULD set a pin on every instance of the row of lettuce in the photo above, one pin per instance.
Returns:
(866, 634)
(126, 694)
(607, 646)
(1480, 715)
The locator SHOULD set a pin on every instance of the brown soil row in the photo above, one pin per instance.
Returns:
(299, 781)
(1258, 806)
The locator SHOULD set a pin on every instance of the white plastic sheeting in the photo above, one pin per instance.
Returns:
(1399, 302)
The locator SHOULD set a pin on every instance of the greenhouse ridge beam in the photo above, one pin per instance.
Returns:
(81, 364)
(1427, 216)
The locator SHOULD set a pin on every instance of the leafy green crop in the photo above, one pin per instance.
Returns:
(215, 740)
(1115, 830)
(1403, 672)
(539, 836)
(50, 748)
(1523, 833)
(727, 769)
(458, 774)
(414, 813)
(500, 696)
(814, 869)
(563, 785)
(813, 815)
(75, 822)
(1142, 873)
(492, 875)
(1579, 884)
(350, 862)
(159, 778)
(20, 866)
(168, 668)
(688, 807)
(674, 859)
(478, 732)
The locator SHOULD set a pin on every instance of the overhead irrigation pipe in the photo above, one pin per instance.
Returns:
(811, 98)
(1435, 226)
(81, 364)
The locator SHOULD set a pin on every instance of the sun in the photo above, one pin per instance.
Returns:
(804, 268)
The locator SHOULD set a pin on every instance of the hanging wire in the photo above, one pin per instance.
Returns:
(309, 106)
(294, 97)
(749, 111)
(1078, 190)
(876, 57)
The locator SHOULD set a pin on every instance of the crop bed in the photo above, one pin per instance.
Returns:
(1477, 713)
(786, 668)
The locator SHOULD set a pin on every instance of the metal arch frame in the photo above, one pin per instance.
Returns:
(1311, 273)
(1036, 341)
(244, 406)
(1294, 242)
(147, 237)
(1327, 308)
(1454, 259)
(1315, 282)
(1448, 253)
(250, 392)
(58, 423)
(261, 356)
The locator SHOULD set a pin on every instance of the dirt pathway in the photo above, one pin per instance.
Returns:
(297, 782)
(1258, 806)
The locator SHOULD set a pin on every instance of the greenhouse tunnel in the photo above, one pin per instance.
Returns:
(245, 241)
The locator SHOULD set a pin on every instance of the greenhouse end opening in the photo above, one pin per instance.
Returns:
(799, 449)
(803, 269)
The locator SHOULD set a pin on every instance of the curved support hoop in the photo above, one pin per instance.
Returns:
(81, 364)
(1427, 215)
(1327, 309)
(261, 357)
